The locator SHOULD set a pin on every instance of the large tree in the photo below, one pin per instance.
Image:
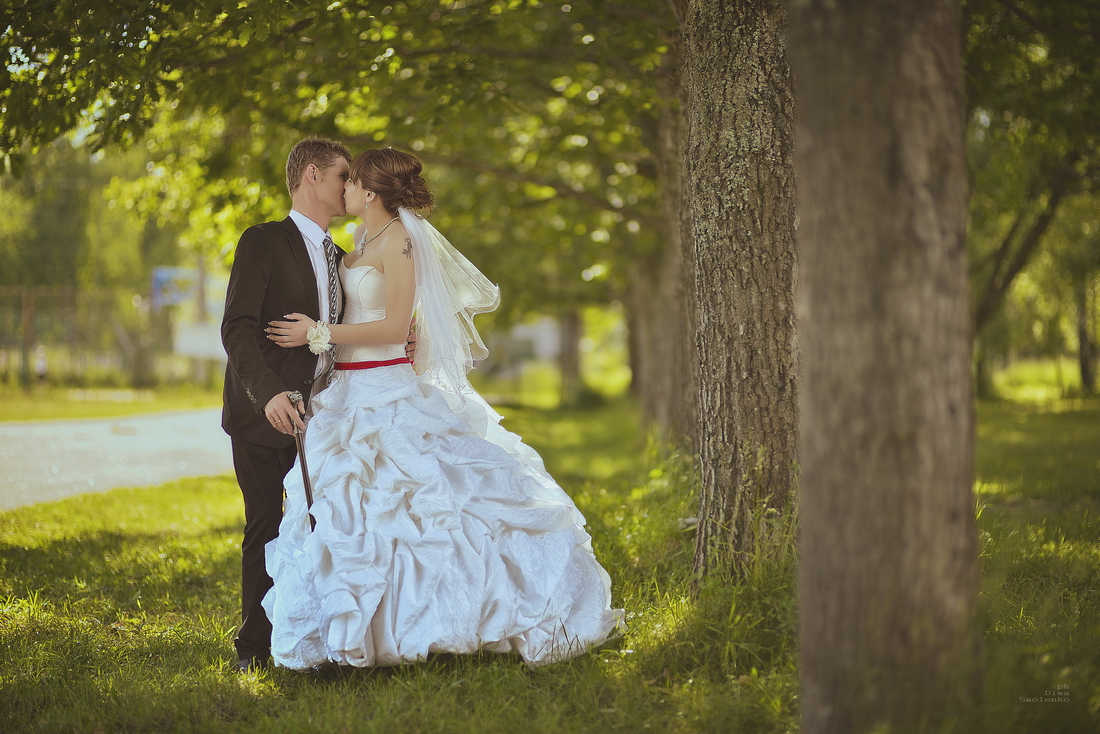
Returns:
(740, 194)
(889, 561)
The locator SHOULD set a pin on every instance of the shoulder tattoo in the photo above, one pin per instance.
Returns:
(408, 251)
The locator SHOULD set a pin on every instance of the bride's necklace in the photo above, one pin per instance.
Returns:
(367, 240)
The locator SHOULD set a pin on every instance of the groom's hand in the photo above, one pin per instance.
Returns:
(283, 415)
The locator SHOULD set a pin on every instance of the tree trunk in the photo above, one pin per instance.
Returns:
(569, 339)
(653, 311)
(660, 357)
(983, 371)
(661, 292)
(740, 192)
(27, 343)
(889, 554)
(1086, 349)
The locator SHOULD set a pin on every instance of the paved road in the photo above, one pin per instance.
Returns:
(42, 461)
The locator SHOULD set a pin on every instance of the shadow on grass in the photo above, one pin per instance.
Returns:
(1039, 453)
(121, 572)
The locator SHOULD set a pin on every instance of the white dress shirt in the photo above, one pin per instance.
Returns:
(315, 238)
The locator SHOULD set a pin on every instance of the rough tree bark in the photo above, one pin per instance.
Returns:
(889, 554)
(740, 193)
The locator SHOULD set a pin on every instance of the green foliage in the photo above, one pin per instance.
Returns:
(16, 229)
(46, 208)
(535, 120)
(605, 363)
(66, 226)
(537, 123)
(1031, 79)
(1035, 58)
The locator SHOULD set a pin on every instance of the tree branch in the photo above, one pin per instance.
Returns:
(1037, 25)
(237, 54)
(999, 282)
(998, 257)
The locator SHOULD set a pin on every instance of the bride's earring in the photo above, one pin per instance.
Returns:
(359, 247)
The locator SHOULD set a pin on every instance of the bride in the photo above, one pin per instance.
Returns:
(436, 529)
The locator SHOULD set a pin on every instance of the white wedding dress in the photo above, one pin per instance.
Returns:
(437, 530)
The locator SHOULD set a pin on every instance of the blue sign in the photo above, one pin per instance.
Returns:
(173, 286)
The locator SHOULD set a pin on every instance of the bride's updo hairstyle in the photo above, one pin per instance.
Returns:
(395, 177)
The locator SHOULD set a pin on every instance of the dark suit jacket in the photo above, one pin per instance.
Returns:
(272, 276)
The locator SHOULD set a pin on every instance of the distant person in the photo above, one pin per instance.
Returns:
(40, 365)
(436, 529)
(279, 268)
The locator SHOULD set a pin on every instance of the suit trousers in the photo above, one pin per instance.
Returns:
(260, 473)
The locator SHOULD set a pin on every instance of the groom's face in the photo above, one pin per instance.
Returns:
(330, 186)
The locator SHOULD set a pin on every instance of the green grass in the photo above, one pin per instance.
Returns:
(1038, 380)
(117, 613)
(1039, 499)
(117, 610)
(536, 385)
(54, 403)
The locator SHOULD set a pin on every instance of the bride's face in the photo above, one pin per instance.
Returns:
(355, 198)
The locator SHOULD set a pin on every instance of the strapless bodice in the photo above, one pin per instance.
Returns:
(365, 300)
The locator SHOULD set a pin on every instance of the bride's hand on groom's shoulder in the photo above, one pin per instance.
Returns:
(292, 332)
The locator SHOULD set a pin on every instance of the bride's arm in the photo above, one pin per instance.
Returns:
(399, 271)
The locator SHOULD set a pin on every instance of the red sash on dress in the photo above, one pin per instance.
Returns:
(370, 365)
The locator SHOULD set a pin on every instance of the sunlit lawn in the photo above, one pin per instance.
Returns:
(118, 613)
(55, 403)
(117, 610)
(536, 386)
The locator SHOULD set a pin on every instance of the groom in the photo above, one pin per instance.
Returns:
(279, 268)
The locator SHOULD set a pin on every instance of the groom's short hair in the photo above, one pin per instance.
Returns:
(321, 152)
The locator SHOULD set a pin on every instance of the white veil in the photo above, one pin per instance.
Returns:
(450, 291)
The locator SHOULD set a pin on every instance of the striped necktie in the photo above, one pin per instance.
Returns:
(333, 294)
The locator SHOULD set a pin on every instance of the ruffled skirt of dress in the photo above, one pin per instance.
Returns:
(437, 531)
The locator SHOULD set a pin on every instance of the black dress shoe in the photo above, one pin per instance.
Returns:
(254, 663)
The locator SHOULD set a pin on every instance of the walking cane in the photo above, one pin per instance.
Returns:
(299, 441)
